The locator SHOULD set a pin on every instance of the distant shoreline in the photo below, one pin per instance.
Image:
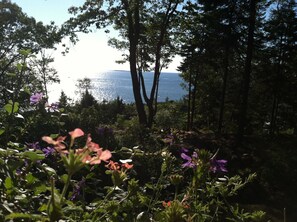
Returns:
(121, 70)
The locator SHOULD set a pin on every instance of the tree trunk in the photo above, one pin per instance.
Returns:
(133, 35)
(247, 72)
(223, 95)
(189, 125)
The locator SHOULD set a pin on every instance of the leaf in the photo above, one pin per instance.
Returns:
(17, 115)
(40, 189)
(22, 216)
(21, 197)
(19, 67)
(42, 208)
(64, 178)
(2, 131)
(9, 90)
(25, 52)
(11, 107)
(8, 183)
(30, 178)
(33, 156)
(50, 170)
(54, 136)
(27, 90)
(10, 74)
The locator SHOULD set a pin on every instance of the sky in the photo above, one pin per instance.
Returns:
(91, 55)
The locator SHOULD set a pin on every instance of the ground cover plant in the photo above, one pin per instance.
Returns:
(65, 175)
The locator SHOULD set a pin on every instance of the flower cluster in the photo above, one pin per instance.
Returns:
(36, 146)
(117, 166)
(36, 98)
(78, 189)
(192, 161)
(53, 107)
(218, 165)
(118, 171)
(91, 153)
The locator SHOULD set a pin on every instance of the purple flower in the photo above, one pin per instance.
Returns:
(34, 145)
(104, 131)
(48, 151)
(54, 107)
(77, 189)
(191, 160)
(218, 165)
(36, 98)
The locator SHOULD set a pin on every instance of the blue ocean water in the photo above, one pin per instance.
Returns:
(109, 85)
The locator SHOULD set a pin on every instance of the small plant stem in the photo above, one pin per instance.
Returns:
(176, 190)
(65, 188)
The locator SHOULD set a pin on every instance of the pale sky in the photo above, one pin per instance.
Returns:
(91, 55)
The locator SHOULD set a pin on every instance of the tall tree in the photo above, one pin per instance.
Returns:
(44, 72)
(19, 33)
(144, 27)
(247, 69)
(214, 31)
(281, 33)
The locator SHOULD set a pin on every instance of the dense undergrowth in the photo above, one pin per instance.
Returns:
(92, 161)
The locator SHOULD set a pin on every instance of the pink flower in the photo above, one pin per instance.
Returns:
(76, 133)
(93, 147)
(58, 144)
(98, 157)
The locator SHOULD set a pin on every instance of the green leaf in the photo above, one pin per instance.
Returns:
(42, 208)
(10, 74)
(19, 67)
(40, 189)
(27, 90)
(50, 170)
(8, 183)
(64, 178)
(22, 216)
(11, 107)
(30, 178)
(25, 52)
(2, 131)
(54, 136)
(34, 156)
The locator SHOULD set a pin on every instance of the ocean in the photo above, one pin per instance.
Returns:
(117, 83)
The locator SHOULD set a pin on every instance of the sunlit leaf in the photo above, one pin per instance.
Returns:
(22, 216)
(30, 178)
(9, 90)
(8, 183)
(34, 156)
(17, 115)
(50, 170)
(19, 67)
(10, 74)
(12, 107)
(40, 189)
(42, 208)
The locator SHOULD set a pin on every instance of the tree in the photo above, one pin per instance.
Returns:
(144, 27)
(212, 32)
(247, 69)
(44, 72)
(281, 32)
(18, 34)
